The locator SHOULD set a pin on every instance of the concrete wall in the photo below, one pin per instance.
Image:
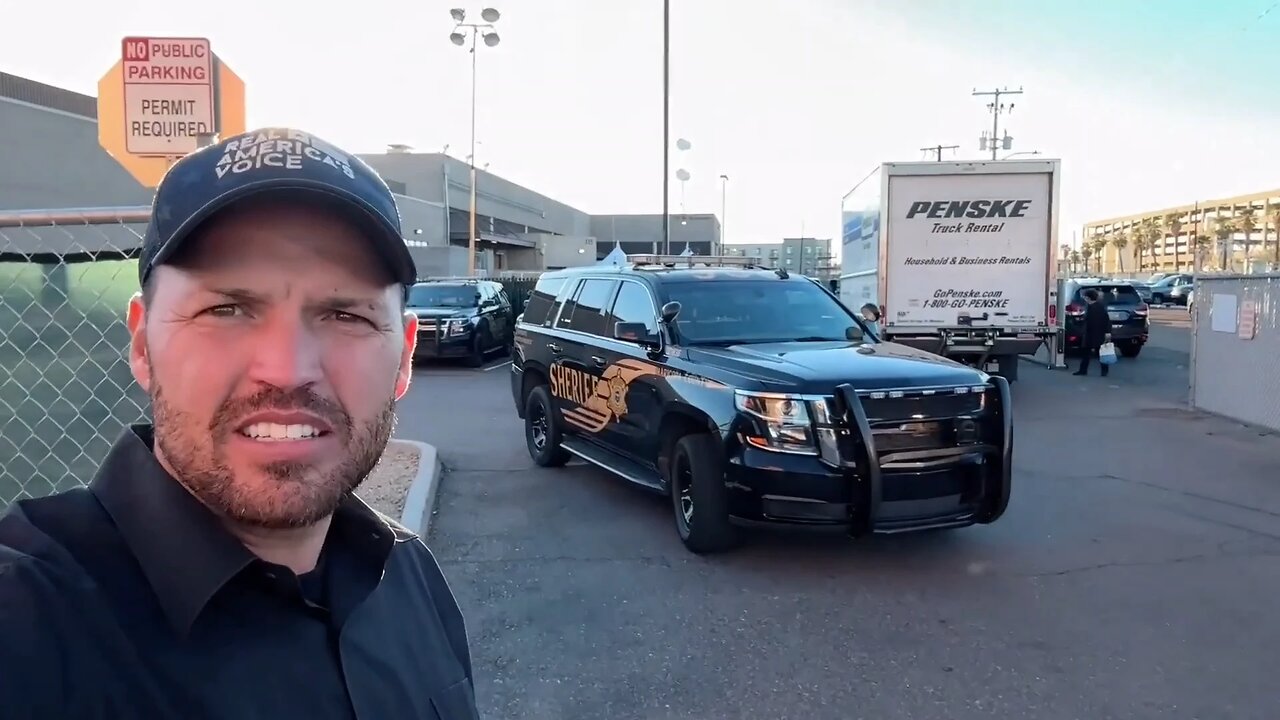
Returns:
(561, 252)
(643, 233)
(422, 222)
(424, 176)
(51, 159)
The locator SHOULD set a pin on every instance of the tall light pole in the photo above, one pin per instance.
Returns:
(724, 183)
(666, 127)
(459, 37)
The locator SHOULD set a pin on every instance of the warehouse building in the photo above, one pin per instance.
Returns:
(50, 158)
(804, 255)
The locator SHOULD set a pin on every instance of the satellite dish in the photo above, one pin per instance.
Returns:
(682, 175)
(683, 144)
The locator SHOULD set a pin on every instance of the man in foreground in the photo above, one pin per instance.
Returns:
(219, 565)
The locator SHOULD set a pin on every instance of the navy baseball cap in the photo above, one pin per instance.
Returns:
(272, 160)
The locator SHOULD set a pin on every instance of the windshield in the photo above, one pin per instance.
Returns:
(758, 311)
(426, 296)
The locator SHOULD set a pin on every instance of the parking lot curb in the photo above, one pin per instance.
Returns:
(421, 498)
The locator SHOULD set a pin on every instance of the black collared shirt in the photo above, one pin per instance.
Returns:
(128, 599)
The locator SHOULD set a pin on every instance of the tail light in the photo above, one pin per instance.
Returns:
(1142, 309)
(1053, 313)
(1075, 310)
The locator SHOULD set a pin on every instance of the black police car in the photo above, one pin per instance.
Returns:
(745, 393)
(461, 319)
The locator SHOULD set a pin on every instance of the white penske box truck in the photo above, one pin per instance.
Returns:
(959, 257)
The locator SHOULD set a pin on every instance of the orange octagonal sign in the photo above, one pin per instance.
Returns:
(162, 99)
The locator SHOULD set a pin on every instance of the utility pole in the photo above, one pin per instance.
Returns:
(724, 183)
(938, 149)
(996, 108)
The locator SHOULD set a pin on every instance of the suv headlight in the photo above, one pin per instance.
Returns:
(457, 326)
(784, 418)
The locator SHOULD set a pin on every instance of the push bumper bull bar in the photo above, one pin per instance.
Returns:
(870, 485)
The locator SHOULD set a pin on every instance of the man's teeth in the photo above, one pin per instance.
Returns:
(276, 431)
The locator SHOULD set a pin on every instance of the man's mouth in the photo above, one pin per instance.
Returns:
(274, 432)
(284, 427)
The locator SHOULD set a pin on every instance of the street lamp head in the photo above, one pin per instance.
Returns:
(457, 38)
(491, 39)
(490, 15)
(458, 14)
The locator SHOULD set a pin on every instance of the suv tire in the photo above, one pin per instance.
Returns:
(1130, 349)
(541, 430)
(699, 497)
(479, 345)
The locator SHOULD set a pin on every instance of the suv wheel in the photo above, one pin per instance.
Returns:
(699, 497)
(1131, 350)
(1157, 299)
(541, 431)
(479, 344)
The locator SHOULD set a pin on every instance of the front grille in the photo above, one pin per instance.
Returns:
(920, 405)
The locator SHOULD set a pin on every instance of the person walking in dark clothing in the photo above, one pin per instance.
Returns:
(1097, 330)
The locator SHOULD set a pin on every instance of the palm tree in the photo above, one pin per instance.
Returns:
(1173, 226)
(1199, 243)
(1099, 248)
(1154, 233)
(1139, 238)
(1074, 258)
(1275, 228)
(1086, 252)
(1224, 229)
(1247, 222)
(1120, 241)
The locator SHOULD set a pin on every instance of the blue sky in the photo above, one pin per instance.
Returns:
(1147, 103)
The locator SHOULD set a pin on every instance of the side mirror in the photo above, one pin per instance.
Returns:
(636, 332)
(853, 332)
(670, 311)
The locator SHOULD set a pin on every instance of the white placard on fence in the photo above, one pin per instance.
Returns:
(1223, 313)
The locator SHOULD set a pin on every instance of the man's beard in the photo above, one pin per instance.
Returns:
(294, 494)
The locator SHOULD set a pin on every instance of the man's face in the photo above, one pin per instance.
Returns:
(273, 350)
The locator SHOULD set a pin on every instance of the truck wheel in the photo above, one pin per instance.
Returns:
(699, 497)
(541, 429)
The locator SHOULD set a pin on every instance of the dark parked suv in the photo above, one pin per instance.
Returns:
(746, 393)
(461, 319)
(1130, 323)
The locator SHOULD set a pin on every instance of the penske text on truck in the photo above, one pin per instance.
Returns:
(958, 255)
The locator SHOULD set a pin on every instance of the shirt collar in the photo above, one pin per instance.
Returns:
(184, 551)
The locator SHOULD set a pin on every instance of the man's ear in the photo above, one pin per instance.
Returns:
(406, 356)
(139, 362)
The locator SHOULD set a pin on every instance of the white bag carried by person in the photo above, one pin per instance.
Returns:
(1107, 353)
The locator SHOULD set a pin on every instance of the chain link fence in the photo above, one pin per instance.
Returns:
(65, 387)
(1234, 346)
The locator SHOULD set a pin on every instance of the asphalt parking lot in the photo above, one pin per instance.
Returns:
(1134, 576)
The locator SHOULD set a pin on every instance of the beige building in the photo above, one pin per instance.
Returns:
(1237, 234)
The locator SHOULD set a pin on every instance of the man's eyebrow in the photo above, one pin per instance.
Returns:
(336, 302)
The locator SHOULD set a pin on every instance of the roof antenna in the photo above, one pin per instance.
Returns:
(782, 273)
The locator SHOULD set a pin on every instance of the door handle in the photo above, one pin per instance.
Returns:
(599, 361)
(553, 348)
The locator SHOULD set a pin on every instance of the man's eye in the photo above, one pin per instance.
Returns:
(346, 317)
(224, 311)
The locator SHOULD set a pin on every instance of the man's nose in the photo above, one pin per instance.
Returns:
(286, 353)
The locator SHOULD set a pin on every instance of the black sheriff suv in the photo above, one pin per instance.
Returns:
(748, 394)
